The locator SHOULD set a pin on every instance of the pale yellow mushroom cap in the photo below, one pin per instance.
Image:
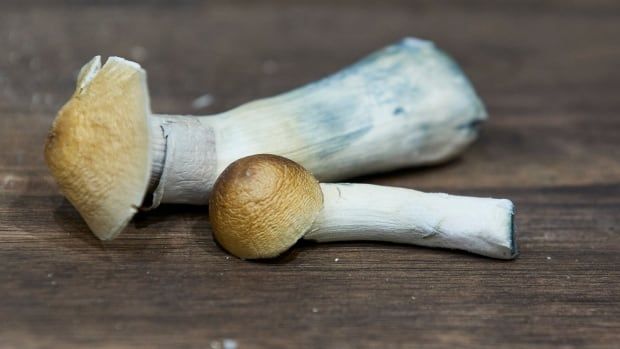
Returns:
(262, 204)
(98, 147)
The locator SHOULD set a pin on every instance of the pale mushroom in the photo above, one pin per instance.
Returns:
(405, 105)
(263, 204)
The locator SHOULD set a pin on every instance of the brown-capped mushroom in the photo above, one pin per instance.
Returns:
(263, 204)
(98, 149)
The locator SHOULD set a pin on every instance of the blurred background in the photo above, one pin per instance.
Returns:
(548, 71)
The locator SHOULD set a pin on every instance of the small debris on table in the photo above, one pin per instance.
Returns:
(203, 101)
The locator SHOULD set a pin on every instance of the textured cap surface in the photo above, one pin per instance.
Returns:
(262, 204)
(98, 147)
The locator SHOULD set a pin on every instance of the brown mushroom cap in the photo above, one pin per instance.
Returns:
(98, 147)
(262, 204)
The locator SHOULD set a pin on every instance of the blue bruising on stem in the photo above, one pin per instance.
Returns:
(333, 124)
(473, 125)
(514, 250)
(398, 111)
(340, 142)
(360, 91)
(338, 110)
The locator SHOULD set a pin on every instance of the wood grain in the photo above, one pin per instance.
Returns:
(549, 72)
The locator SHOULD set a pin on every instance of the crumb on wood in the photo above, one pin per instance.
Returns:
(229, 344)
(203, 101)
(226, 343)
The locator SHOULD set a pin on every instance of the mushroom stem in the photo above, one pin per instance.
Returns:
(408, 104)
(368, 212)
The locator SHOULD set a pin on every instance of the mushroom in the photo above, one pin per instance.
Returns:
(263, 204)
(405, 105)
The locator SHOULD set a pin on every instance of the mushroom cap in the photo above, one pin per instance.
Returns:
(262, 204)
(98, 147)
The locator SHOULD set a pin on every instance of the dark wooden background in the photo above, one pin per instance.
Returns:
(549, 72)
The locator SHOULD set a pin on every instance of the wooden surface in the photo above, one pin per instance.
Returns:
(549, 72)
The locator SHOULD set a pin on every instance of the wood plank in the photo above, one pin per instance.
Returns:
(548, 71)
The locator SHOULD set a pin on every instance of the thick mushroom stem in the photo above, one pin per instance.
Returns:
(368, 212)
(405, 105)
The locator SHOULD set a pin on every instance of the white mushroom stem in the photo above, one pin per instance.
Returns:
(405, 105)
(368, 212)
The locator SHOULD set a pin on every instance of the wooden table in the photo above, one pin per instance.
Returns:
(549, 72)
